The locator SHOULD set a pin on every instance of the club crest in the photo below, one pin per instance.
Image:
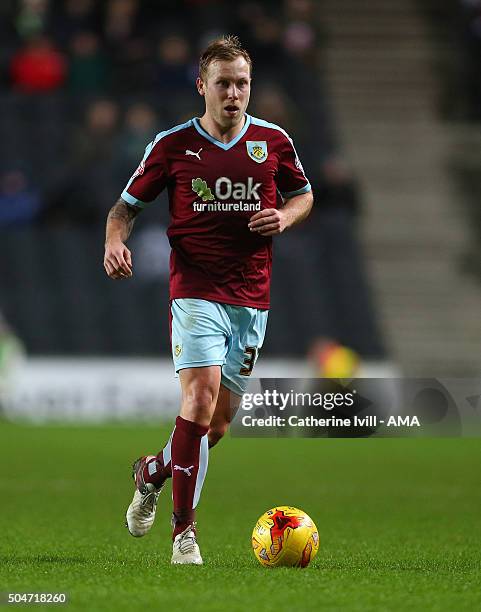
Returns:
(257, 150)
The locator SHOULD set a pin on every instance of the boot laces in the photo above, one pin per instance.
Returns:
(148, 502)
(187, 543)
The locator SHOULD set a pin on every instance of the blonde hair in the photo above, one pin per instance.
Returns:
(226, 48)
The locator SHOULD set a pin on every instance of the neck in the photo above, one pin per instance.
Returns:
(219, 132)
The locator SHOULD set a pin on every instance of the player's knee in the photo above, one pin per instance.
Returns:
(198, 405)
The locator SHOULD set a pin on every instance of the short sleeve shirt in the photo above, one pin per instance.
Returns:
(214, 189)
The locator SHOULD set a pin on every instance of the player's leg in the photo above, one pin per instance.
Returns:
(190, 456)
(199, 332)
(189, 449)
(141, 511)
(156, 469)
(149, 473)
(225, 410)
(246, 334)
(208, 408)
(248, 327)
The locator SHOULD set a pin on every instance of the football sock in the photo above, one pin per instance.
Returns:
(163, 463)
(155, 471)
(190, 457)
(159, 468)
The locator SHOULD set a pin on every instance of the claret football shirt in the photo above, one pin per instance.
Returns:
(214, 189)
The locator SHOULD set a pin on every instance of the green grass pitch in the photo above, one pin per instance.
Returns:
(399, 521)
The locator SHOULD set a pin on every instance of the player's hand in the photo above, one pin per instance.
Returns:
(268, 222)
(117, 260)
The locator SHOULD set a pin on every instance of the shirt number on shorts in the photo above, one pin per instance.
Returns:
(249, 361)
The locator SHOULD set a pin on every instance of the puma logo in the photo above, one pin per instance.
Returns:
(189, 152)
(186, 470)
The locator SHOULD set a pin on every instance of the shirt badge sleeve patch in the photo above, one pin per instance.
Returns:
(257, 150)
(140, 170)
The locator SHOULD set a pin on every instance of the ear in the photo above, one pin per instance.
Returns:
(200, 86)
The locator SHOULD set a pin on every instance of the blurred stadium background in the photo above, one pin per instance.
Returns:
(384, 104)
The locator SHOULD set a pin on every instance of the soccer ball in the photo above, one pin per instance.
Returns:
(285, 537)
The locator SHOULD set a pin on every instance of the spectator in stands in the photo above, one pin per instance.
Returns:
(93, 152)
(87, 181)
(20, 202)
(32, 18)
(126, 38)
(10, 40)
(73, 17)
(120, 20)
(303, 10)
(140, 126)
(94, 140)
(89, 69)
(263, 37)
(270, 100)
(174, 70)
(38, 67)
(348, 314)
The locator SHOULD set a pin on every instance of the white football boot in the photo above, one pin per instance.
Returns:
(185, 549)
(141, 512)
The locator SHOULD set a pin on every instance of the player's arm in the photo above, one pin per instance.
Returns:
(272, 221)
(120, 221)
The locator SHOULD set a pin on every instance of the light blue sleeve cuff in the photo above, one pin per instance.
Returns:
(131, 200)
(290, 194)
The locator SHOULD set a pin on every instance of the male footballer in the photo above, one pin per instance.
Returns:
(233, 182)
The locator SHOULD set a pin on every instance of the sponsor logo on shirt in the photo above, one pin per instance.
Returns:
(224, 189)
(201, 189)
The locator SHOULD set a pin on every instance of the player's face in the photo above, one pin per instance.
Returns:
(226, 90)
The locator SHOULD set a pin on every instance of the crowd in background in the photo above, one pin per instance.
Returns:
(85, 85)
